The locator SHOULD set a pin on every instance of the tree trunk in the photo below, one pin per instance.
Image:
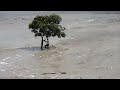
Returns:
(47, 42)
(42, 44)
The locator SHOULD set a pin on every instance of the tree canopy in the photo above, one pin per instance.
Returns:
(48, 26)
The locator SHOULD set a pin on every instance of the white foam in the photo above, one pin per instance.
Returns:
(90, 20)
(3, 63)
(2, 70)
(18, 56)
(60, 52)
(40, 56)
(6, 58)
(32, 55)
(30, 76)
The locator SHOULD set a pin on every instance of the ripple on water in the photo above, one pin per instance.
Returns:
(18, 55)
(6, 58)
(2, 70)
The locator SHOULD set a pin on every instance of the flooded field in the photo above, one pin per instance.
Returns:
(90, 50)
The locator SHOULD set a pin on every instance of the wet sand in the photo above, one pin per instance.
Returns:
(90, 50)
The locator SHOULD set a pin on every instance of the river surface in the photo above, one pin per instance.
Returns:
(21, 57)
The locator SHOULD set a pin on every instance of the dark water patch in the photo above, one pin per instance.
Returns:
(48, 73)
(63, 72)
(30, 49)
(113, 20)
(3, 19)
(54, 73)
(77, 27)
(36, 48)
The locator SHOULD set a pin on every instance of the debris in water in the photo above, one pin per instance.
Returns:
(53, 46)
(63, 72)
(99, 76)
(48, 73)
(81, 78)
(66, 49)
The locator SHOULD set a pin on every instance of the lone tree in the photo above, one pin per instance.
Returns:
(47, 26)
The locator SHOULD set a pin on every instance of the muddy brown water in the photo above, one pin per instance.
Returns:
(88, 51)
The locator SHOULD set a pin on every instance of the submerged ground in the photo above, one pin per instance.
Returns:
(91, 49)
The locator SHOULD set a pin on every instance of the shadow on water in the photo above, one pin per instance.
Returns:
(31, 49)
(35, 48)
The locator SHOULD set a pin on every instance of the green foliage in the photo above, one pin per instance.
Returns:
(47, 26)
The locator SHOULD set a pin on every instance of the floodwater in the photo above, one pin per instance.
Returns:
(21, 57)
